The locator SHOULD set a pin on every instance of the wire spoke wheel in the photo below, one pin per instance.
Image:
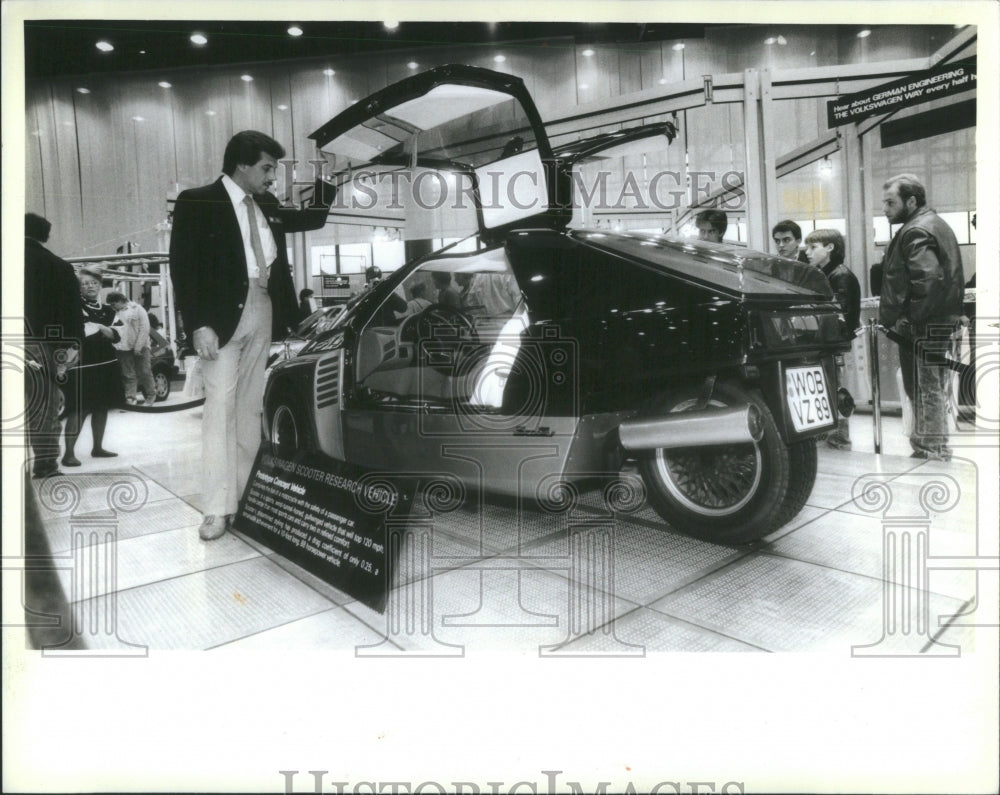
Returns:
(714, 480)
(729, 492)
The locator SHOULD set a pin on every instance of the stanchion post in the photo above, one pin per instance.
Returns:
(876, 390)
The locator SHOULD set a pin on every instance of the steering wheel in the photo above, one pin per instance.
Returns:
(438, 321)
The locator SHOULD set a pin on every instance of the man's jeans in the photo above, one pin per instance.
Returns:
(928, 387)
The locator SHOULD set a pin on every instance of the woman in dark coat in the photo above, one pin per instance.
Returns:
(95, 381)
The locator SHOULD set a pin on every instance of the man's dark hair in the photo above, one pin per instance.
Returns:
(36, 227)
(305, 293)
(827, 237)
(246, 148)
(787, 226)
(717, 218)
(907, 185)
(115, 298)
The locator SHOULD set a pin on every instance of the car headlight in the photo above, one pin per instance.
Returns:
(324, 343)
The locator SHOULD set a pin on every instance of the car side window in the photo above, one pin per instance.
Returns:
(451, 312)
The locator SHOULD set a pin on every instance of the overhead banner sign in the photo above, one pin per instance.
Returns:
(937, 83)
(327, 516)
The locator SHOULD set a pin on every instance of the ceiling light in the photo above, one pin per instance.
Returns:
(583, 86)
(782, 41)
(662, 81)
(294, 30)
(142, 52)
(587, 52)
(209, 112)
(391, 25)
(105, 46)
(246, 78)
(82, 90)
(412, 65)
(499, 58)
(825, 168)
(770, 40)
(329, 72)
(164, 84)
(678, 46)
(864, 34)
(138, 118)
(199, 39)
(282, 107)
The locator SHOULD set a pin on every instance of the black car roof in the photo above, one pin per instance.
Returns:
(731, 268)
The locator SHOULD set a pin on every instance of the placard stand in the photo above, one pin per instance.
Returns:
(327, 516)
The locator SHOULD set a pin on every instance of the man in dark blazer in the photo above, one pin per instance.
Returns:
(234, 290)
(54, 328)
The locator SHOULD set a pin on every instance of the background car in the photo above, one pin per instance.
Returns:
(549, 356)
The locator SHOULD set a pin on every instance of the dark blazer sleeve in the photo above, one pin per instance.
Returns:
(187, 240)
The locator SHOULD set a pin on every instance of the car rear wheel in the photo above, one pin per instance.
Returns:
(728, 493)
(287, 425)
(161, 385)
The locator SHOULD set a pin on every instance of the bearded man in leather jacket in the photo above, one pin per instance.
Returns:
(922, 290)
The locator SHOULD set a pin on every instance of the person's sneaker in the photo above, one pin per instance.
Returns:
(920, 454)
(838, 444)
(212, 527)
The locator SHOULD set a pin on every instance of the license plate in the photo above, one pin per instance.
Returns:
(810, 403)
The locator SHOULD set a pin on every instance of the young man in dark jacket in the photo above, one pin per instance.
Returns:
(825, 250)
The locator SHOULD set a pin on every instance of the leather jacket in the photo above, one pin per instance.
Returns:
(922, 281)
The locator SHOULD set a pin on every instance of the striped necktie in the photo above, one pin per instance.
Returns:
(258, 249)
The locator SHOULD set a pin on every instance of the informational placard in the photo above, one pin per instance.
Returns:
(942, 81)
(327, 516)
(336, 282)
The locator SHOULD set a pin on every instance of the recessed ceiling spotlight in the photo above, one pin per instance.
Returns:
(294, 30)
(782, 41)
(105, 46)
(138, 118)
(678, 46)
(864, 34)
(282, 107)
(199, 39)
(587, 53)
(82, 90)
(412, 65)
(164, 84)
(209, 112)
(391, 25)
(329, 72)
(246, 78)
(662, 81)
(770, 40)
(499, 58)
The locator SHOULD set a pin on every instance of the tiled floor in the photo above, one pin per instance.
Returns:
(123, 539)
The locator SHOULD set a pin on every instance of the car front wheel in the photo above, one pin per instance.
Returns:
(727, 493)
(287, 426)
